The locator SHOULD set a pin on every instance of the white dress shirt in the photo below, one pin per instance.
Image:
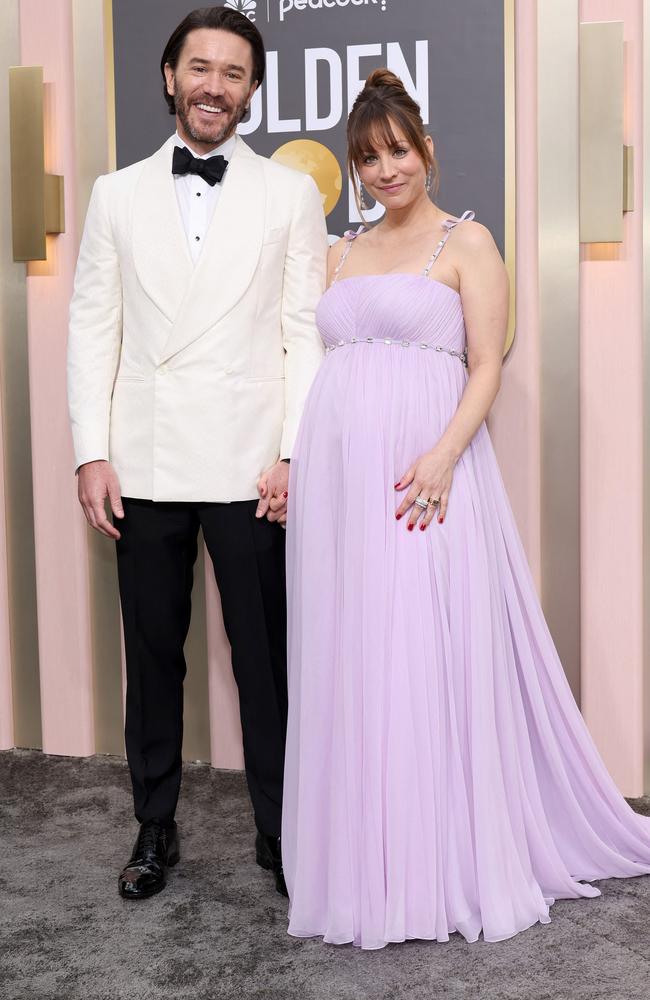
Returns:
(197, 198)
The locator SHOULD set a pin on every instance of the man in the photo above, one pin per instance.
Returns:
(192, 348)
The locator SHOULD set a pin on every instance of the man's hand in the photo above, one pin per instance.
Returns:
(273, 490)
(98, 480)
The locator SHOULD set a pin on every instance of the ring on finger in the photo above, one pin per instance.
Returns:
(433, 502)
(421, 502)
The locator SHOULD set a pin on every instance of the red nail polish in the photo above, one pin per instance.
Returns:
(285, 494)
(397, 516)
(411, 526)
(440, 520)
(397, 484)
(423, 527)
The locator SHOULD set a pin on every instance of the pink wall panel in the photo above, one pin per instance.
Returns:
(61, 558)
(6, 699)
(611, 471)
(515, 419)
(225, 727)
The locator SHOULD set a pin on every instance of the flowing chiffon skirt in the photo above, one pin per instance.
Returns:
(439, 776)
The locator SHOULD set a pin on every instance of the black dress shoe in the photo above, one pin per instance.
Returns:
(155, 850)
(269, 857)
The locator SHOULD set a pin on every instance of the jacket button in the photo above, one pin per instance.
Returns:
(163, 370)
(229, 371)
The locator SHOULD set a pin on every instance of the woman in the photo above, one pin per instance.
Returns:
(439, 776)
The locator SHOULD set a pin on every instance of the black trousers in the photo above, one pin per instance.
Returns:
(155, 558)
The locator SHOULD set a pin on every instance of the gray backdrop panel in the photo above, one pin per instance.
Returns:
(464, 55)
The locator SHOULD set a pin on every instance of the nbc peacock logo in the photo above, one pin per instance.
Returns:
(245, 7)
(289, 6)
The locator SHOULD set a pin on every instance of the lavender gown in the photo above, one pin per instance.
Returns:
(439, 776)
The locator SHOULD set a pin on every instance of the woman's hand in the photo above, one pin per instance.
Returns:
(430, 479)
(273, 488)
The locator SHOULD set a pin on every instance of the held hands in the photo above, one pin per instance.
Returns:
(273, 490)
(97, 481)
(428, 479)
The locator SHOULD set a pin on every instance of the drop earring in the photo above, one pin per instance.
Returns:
(363, 204)
(429, 181)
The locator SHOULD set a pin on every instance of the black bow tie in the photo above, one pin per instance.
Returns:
(211, 170)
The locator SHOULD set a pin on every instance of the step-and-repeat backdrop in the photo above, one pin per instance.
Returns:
(449, 55)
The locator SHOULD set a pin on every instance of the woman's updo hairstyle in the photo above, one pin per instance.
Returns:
(384, 102)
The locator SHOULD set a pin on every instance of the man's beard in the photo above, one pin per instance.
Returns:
(223, 127)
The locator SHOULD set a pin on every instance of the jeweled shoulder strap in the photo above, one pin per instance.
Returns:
(349, 237)
(449, 225)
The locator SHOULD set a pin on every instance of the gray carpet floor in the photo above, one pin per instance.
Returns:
(219, 929)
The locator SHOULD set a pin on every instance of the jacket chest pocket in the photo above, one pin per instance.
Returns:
(272, 236)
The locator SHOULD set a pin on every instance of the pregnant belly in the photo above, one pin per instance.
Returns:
(362, 393)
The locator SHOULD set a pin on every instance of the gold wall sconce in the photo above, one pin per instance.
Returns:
(606, 189)
(37, 206)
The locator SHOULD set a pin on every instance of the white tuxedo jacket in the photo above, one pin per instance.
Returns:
(189, 378)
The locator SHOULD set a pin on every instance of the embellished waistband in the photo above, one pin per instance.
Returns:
(461, 355)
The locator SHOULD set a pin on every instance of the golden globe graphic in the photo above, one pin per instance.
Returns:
(316, 159)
